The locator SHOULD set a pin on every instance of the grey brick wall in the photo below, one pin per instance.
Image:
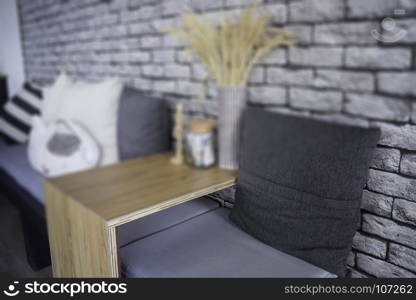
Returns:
(337, 72)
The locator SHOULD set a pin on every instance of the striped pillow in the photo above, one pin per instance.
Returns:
(16, 115)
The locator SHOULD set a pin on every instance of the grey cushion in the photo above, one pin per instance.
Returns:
(14, 160)
(300, 185)
(164, 219)
(210, 246)
(143, 125)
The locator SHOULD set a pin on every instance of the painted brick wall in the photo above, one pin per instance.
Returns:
(339, 71)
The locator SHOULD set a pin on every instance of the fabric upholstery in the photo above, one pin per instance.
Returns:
(16, 115)
(300, 185)
(143, 125)
(210, 246)
(14, 161)
(2, 143)
(164, 219)
(32, 214)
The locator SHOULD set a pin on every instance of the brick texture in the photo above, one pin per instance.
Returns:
(386, 159)
(370, 245)
(378, 204)
(338, 72)
(408, 164)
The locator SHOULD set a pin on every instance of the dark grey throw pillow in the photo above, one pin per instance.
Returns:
(143, 125)
(300, 184)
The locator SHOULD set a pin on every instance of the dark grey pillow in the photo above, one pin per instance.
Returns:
(300, 184)
(143, 125)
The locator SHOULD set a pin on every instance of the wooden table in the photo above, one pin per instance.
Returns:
(84, 209)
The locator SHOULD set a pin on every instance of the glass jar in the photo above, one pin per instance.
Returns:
(199, 143)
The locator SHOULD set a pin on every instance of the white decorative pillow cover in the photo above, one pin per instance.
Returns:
(52, 94)
(93, 105)
(61, 147)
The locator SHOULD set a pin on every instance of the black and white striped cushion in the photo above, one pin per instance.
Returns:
(16, 115)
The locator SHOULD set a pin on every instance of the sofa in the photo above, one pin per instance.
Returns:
(143, 128)
(296, 208)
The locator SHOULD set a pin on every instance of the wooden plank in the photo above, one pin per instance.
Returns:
(78, 238)
(116, 191)
(168, 203)
(114, 259)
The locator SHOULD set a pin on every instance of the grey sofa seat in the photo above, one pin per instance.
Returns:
(210, 246)
(164, 219)
(14, 161)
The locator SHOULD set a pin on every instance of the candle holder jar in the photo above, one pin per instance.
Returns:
(199, 143)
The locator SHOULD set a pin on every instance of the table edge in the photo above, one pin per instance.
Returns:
(137, 214)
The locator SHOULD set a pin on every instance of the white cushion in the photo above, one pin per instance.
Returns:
(61, 147)
(53, 94)
(93, 105)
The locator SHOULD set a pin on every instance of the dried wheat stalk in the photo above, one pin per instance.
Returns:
(229, 50)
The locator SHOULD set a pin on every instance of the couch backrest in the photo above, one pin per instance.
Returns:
(143, 124)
